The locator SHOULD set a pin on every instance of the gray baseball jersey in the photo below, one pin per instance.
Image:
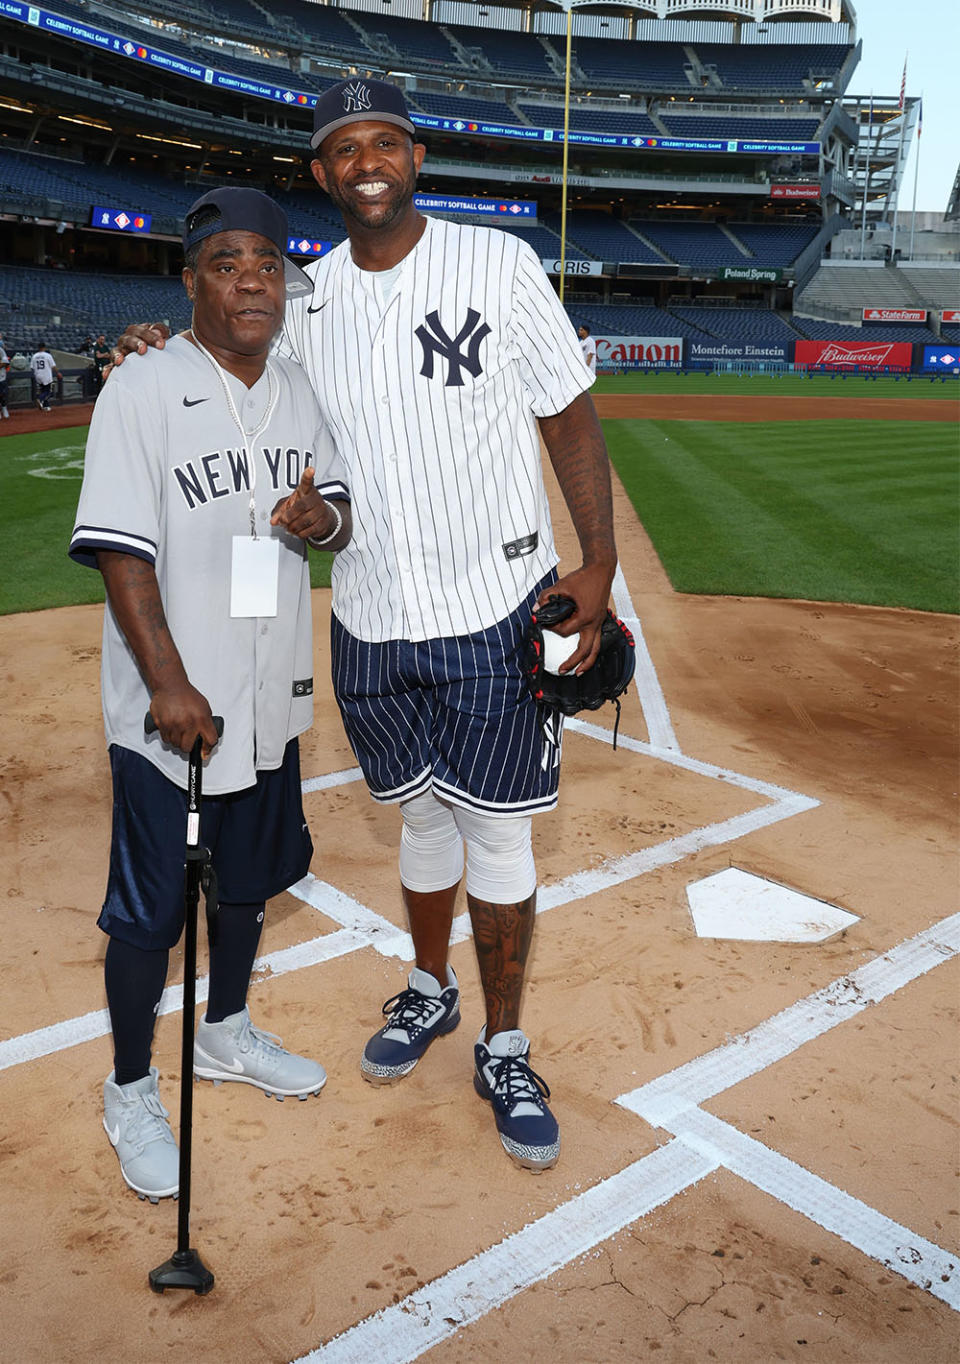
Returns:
(431, 396)
(168, 479)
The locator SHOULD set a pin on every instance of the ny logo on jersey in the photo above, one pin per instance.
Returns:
(356, 96)
(441, 344)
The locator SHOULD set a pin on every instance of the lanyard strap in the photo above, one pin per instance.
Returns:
(273, 393)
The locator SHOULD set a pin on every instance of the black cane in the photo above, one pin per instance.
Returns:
(185, 1269)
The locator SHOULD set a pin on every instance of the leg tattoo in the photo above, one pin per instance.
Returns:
(502, 936)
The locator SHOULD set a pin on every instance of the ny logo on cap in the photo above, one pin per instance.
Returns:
(356, 96)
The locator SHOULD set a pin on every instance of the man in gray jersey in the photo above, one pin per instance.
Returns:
(207, 468)
(441, 355)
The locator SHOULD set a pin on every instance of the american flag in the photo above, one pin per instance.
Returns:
(903, 83)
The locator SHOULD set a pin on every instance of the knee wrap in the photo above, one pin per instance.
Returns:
(500, 867)
(431, 848)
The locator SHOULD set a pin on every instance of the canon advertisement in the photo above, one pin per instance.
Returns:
(851, 355)
(639, 352)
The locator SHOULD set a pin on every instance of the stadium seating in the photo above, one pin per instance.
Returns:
(756, 326)
(603, 237)
(692, 243)
(818, 330)
(628, 121)
(774, 68)
(510, 56)
(721, 125)
(632, 66)
(774, 245)
(462, 107)
(424, 45)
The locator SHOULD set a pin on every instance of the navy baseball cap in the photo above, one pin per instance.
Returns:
(238, 209)
(359, 99)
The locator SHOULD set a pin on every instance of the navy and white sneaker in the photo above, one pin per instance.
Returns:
(416, 1016)
(502, 1075)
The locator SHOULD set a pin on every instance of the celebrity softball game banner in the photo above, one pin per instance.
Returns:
(868, 355)
(639, 352)
(941, 359)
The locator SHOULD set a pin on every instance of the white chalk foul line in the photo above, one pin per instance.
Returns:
(652, 700)
(901, 1250)
(680, 1090)
(30, 1046)
(401, 1333)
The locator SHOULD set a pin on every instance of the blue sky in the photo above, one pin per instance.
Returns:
(930, 30)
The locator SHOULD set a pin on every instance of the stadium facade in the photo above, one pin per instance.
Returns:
(730, 199)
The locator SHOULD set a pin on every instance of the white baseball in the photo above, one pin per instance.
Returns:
(557, 649)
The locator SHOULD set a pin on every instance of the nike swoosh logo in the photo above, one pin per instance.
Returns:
(235, 1066)
(196, 401)
(114, 1135)
(320, 308)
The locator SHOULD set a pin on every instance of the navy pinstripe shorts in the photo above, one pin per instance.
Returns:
(453, 714)
(258, 839)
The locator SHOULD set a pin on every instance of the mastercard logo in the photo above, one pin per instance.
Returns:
(141, 52)
(472, 127)
(138, 222)
(651, 141)
(301, 99)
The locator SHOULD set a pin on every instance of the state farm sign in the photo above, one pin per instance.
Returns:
(854, 354)
(640, 352)
(794, 191)
(950, 315)
(894, 315)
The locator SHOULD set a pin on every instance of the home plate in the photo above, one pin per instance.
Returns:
(736, 904)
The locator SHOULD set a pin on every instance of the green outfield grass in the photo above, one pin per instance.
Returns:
(796, 385)
(39, 485)
(830, 511)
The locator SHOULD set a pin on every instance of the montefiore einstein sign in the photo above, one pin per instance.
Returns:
(640, 352)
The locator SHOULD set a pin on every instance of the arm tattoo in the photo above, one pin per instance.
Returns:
(575, 443)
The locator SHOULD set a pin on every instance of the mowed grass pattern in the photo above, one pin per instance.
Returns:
(829, 511)
(40, 477)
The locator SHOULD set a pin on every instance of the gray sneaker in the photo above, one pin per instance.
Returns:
(136, 1122)
(236, 1050)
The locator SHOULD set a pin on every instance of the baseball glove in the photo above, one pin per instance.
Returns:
(566, 694)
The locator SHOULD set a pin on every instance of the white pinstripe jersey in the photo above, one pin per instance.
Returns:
(431, 399)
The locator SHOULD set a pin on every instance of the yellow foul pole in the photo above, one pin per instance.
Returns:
(566, 130)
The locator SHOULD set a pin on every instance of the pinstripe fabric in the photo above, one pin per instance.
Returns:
(431, 399)
(453, 714)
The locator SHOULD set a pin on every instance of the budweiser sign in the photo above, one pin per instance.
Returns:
(794, 191)
(950, 315)
(894, 314)
(854, 354)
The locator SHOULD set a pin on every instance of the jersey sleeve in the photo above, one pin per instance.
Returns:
(119, 506)
(329, 469)
(551, 361)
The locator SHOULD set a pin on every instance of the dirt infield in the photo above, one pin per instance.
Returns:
(791, 1196)
(24, 420)
(753, 407)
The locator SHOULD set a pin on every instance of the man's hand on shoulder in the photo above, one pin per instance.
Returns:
(137, 340)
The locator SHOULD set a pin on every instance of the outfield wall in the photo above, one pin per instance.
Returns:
(619, 353)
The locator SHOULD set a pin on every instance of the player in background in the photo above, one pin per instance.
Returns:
(102, 357)
(440, 355)
(589, 348)
(44, 369)
(4, 376)
(207, 469)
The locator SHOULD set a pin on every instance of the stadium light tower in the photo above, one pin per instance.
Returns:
(568, 6)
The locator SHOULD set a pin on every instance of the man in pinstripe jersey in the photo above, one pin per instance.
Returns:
(440, 356)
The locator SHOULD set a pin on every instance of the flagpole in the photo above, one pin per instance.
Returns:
(916, 176)
(866, 184)
(566, 145)
(903, 128)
